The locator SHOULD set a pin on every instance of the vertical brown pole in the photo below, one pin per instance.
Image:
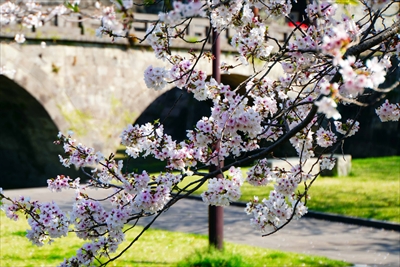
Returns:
(255, 11)
(216, 51)
(216, 214)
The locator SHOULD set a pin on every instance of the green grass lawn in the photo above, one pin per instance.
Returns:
(154, 248)
(372, 190)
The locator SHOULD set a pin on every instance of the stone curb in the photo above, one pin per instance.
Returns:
(333, 217)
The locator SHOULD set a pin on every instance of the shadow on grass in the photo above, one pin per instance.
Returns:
(19, 233)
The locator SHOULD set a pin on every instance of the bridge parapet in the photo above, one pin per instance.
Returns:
(76, 28)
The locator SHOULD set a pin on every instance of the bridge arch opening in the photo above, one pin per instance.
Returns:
(178, 111)
(28, 156)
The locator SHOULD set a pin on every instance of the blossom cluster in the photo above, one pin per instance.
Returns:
(78, 154)
(159, 38)
(260, 174)
(46, 220)
(109, 24)
(356, 77)
(336, 41)
(148, 140)
(155, 77)
(328, 106)
(104, 230)
(349, 128)
(250, 39)
(152, 199)
(62, 182)
(183, 74)
(388, 112)
(181, 11)
(303, 144)
(282, 203)
(327, 163)
(222, 191)
(222, 13)
(325, 138)
(270, 214)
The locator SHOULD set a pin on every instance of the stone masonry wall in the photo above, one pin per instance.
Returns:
(93, 89)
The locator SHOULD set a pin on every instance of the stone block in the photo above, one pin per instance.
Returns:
(342, 166)
(288, 163)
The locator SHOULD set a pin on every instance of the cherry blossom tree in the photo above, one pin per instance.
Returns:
(330, 58)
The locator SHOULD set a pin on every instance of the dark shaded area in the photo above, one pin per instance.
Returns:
(375, 138)
(298, 12)
(28, 156)
(177, 110)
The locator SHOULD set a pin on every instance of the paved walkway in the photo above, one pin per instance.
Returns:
(363, 246)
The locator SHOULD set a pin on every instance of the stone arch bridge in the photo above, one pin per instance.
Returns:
(77, 82)
(95, 88)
